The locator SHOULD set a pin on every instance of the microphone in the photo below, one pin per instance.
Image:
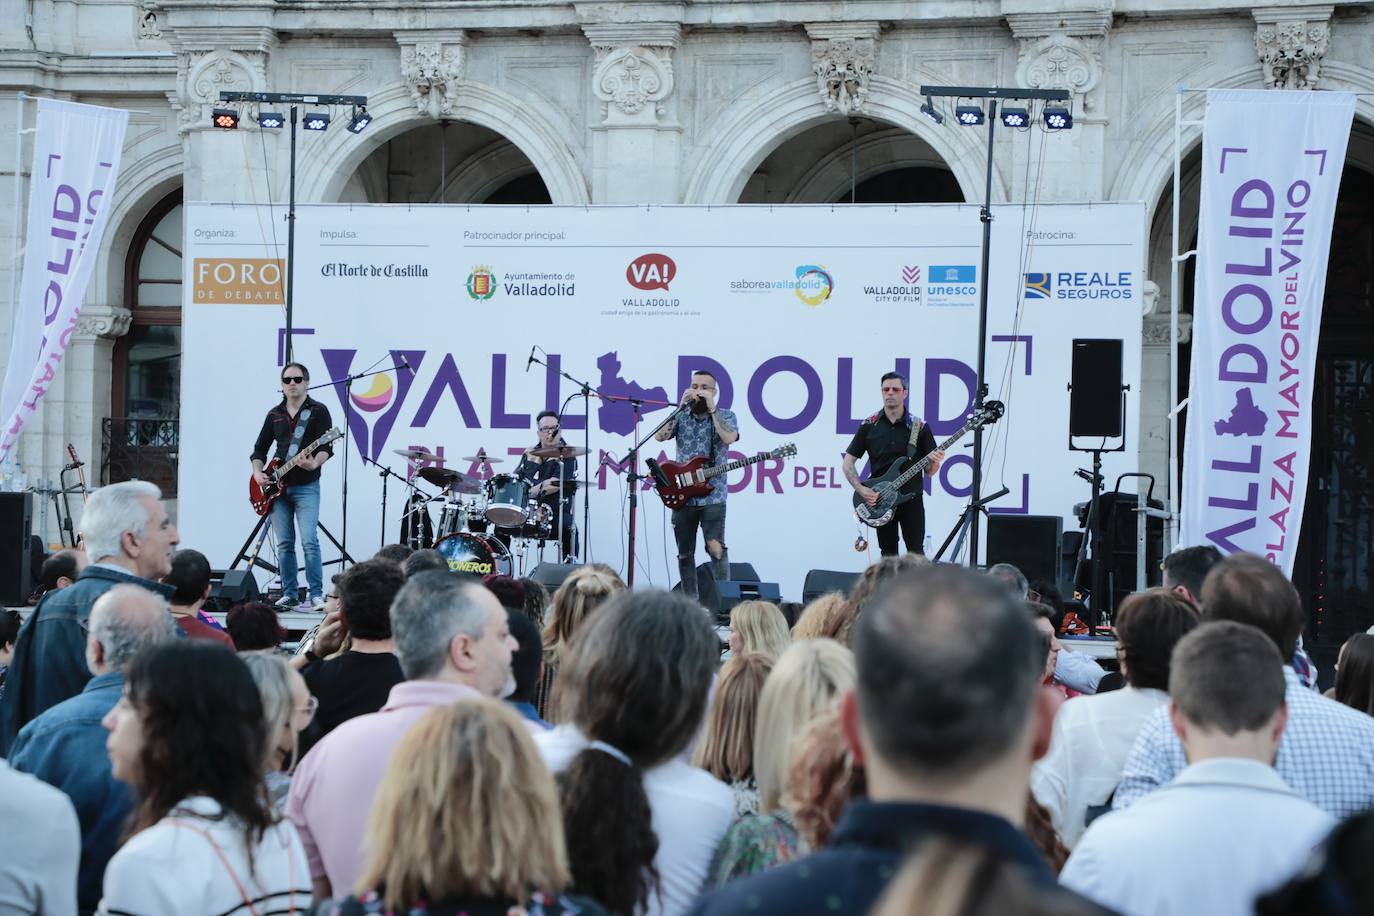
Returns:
(530, 362)
(657, 473)
(405, 362)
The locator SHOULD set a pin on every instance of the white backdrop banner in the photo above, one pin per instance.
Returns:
(76, 152)
(798, 311)
(1271, 169)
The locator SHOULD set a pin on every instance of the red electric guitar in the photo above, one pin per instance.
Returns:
(679, 481)
(263, 497)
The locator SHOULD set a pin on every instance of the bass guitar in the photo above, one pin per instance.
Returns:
(889, 485)
(263, 497)
(679, 481)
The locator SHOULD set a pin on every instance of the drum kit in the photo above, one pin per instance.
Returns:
(491, 523)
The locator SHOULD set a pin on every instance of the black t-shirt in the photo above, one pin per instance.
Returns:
(354, 684)
(884, 442)
(279, 426)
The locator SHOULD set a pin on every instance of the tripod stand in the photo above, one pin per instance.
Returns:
(961, 527)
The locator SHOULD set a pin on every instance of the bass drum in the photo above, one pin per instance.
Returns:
(474, 553)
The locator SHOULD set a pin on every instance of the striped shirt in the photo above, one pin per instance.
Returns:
(1326, 754)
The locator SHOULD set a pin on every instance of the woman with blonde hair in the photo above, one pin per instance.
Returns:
(465, 821)
(804, 685)
(726, 750)
(585, 589)
(817, 620)
(287, 707)
(758, 627)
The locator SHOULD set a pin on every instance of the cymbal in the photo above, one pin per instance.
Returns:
(449, 479)
(415, 454)
(483, 457)
(557, 451)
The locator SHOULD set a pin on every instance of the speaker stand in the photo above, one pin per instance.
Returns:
(974, 508)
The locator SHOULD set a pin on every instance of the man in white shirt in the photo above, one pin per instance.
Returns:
(1227, 828)
(1094, 734)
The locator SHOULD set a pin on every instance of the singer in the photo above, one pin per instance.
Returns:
(299, 419)
(701, 428)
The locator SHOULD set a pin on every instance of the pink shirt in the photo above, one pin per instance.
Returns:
(332, 789)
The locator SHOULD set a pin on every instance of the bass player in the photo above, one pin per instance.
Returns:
(889, 435)
(701, 428)
(299, 419)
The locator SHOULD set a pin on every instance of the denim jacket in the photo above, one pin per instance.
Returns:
(65, 747)
(49, 663)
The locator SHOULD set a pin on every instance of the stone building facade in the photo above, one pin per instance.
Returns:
(659, 101)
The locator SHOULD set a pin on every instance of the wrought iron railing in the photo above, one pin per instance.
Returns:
(135, 448)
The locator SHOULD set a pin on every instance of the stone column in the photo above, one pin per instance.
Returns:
(636, 145)
(1155, 397)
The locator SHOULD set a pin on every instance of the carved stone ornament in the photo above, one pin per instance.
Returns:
(633, 80)
(1291, 50)
(203, 74)
(107, 321)
(1155, 330)
(1061, 51)
(844, 58)
(432, 68)
(148, 27)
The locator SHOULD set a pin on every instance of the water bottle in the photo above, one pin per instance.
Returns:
(20, 480)
(7, 476)
(926, 548)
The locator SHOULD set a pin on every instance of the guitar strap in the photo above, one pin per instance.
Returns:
(915, 434)
(294, 446)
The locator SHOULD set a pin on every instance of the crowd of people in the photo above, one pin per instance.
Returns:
(927, 743)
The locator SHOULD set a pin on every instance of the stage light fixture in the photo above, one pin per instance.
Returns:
(931, 114)
(316, 120)
(969, 115)
(360, 121)
(1057, 118)
(225, 118)
(272, 120)
(1015, 117)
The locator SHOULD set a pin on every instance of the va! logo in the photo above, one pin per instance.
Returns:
(651, 271)
(1037, 286)
(481, 283)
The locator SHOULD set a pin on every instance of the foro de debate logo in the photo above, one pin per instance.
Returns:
(651, 271)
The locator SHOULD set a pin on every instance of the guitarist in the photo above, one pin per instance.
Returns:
(886, 437)
(701, 428)
(297, 421)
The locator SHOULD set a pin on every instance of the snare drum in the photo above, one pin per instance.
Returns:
(506, 499)
(474, 553)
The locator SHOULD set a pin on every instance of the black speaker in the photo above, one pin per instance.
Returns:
(551, 575)
(1095, 389)
(1028, 542)
(1119, 520)
(229, 587)
(16, 524)
(732, 591)
(821, 581)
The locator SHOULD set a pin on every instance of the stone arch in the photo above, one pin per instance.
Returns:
(830, 176)
(522, 121)
(483, 173)
(142, 184)
(749, 131)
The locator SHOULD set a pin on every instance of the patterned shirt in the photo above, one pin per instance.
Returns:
(1326, 753)
(696, 435)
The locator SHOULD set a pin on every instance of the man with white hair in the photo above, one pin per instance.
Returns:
(129, 539)
(65, 746)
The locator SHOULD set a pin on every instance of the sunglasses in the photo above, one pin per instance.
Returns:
(292, 379)
(548, 429)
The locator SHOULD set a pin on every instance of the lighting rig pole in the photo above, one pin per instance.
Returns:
(228, 119)
(1056, 118)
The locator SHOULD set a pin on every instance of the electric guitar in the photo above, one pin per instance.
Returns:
(889, 486)
(263, 497)
(679, 481)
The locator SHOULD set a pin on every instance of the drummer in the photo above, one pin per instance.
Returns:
(545, 479)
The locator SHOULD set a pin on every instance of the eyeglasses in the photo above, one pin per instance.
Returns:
(292, 379)
(548, 429)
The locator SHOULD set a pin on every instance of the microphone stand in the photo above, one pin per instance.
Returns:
(384, 472)
(348, 417)
(585, 391)
(633, 475)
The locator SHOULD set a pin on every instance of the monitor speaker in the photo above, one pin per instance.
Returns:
(16, 524)
(1095, 388)
(551, 575)
(229, 587)
(822, 581)
(1028, 542)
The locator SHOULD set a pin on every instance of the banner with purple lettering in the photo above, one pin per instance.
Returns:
(1271, 169)
(76, 151)
(798, 311)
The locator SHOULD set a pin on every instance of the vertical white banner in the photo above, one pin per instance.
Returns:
(1271, 169)
(75, 164)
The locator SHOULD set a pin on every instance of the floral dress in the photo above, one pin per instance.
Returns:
(755, 843)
